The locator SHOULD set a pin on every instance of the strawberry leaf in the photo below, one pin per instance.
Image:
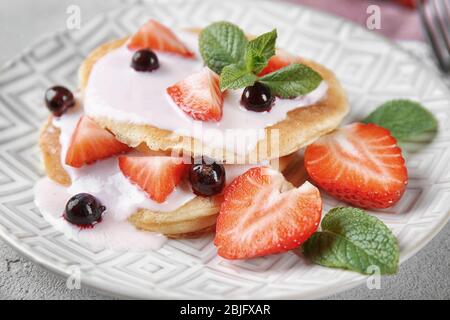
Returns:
(351, 239)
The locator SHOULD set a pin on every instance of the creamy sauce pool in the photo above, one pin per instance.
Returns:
(105, 181)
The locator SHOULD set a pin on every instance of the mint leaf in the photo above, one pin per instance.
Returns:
(292, 81)
(222, 44)
(351, 239)
(260, 50)
(255, 63)
(264, 45)
(404, 118)
(236, 76)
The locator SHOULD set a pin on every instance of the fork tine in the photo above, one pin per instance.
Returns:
(438, 13)
(446, 4)
(447, 8)
(429, 31)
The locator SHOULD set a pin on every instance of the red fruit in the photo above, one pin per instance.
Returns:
(199, 95)
(262, 214)
(157, 176)
(360, 164)
(280, 60)
(90, 143)
(153, 35)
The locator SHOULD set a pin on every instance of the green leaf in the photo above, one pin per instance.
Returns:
(222, 44)
(236, 76)
(292, 81)
(351, 239)
(404, 118)
(260, 50)
(255, 63)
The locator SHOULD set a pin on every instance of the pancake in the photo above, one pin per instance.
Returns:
(194, 218)
(301, 127)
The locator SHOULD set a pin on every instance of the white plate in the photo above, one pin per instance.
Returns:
(372, 70)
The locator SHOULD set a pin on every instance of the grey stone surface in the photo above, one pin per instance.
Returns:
(424, 276)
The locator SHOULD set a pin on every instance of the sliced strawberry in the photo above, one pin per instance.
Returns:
(157, 176)
(90, 143)
(408, 3)
(199, 95)
(280, 60)
(262, 214)
(153, 35)
(360, 164)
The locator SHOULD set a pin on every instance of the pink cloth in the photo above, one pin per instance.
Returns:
(397, 22)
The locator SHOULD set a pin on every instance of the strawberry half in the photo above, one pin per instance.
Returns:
(157, 176)
(90, 143)
(153, 35)
(199, 95)
(280, 60)
(262, 214)
(360, 164)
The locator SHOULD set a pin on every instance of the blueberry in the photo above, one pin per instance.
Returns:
(207, 177)
(58, 99)
(144, 61)
(257, 98)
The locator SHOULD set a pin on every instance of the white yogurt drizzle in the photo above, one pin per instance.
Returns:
(117, 92)
(105, 181)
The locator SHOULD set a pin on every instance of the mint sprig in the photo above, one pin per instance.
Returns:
(405, 119)
(235, 76)
(351, 239)
(238, 61)
(222, 44)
